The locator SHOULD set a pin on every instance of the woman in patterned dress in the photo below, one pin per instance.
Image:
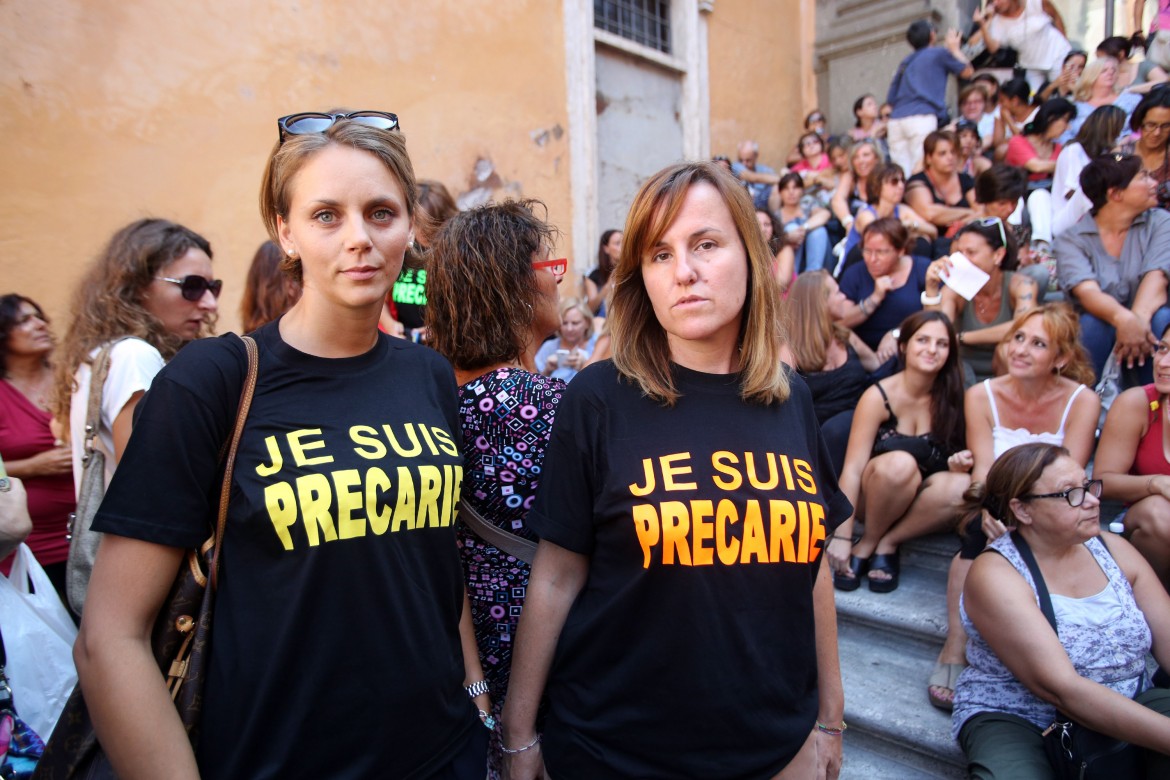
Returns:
(492, 300)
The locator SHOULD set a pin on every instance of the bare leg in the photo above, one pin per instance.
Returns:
(954, 650)
(888, 486)
(1148, 521)
(933, 510)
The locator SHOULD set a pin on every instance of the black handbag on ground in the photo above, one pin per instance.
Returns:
(1077, 752)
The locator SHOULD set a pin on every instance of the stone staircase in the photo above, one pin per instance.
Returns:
(888, 644)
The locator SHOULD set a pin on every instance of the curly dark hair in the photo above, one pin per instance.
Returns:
(10, 306)
(481, 287)
(108, 302)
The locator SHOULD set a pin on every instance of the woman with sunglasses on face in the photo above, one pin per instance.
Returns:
(1151, 119)
(492, 301)
(1044, 396)
(984, 321)
(342, 642)
(902, 472)
(1113, 263)
(149, 292)
(668, 467)
(1108, 606)
(885, 187)
(1132, 462)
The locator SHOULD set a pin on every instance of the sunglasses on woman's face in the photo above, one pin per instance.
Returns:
(311, 122)
(193, 287)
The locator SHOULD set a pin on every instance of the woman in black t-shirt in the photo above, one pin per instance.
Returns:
(690, 487)
(340, 614)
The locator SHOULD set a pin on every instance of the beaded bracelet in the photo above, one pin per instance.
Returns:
(535, 741)
(832, 732)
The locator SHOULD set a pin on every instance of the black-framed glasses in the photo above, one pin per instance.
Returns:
(1075, 496)
(310, 122)
(989, 221)
(194, 286)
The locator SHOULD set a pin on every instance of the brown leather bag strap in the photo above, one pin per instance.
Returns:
(516, 546)
(229, 464)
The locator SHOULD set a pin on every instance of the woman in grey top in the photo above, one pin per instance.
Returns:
(1113, 263)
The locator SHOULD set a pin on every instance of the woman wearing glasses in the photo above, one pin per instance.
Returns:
(342, 644)
(149, 292)
(673, 471)
(1151, 119)
(1113, 263)
(1110, 609)
(1043, 396)
(984, 321)
(506, 407)
(1131, 461)
(886, 288)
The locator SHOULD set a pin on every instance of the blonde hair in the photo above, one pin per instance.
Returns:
(1084, 88)
(575, 304)
(808, 322)
(641, 352)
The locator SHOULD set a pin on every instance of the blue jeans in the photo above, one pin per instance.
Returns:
(812, 253)
(1099, 336)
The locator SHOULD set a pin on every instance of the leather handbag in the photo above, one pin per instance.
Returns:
(83, 541)
(180, 639)
(1077, 752)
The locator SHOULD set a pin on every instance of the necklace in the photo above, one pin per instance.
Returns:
(37, 390)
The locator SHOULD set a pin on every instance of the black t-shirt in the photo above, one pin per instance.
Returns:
(335, 648)
(410, 297)
(690, 651)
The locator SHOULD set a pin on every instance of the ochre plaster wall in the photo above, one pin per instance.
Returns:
(760, 74)
(111, 111)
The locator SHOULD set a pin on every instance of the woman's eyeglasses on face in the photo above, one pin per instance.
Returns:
(1155, 127)
(559, 267)
(311, 122)
(1075, 496)
(193, 287)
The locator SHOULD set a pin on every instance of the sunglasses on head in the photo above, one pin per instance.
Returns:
(311, 122)
(989, 221)
(193, 287)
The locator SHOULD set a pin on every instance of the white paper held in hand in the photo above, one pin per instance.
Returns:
(965, 277)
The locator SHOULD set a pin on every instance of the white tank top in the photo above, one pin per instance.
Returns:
(1003, 439)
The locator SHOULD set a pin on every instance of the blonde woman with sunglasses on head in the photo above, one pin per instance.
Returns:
(342, 644)
(984, 321)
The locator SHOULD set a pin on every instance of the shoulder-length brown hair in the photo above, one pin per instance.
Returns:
(482, 292)
(641, 352)
(1064, 336)
(809, 324)
(108, 301)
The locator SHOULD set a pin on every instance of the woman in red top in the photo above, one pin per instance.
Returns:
(1035, 150)
(30, 449)
(1131, 461)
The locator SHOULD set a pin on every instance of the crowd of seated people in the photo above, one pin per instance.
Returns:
(971, 305)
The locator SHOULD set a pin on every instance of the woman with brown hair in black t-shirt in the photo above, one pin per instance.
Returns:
(689, 487)
(341, 638)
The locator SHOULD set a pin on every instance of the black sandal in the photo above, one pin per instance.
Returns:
(858, 567)
(888, 563)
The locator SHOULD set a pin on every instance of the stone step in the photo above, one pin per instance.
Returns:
(917, 610)
(885, 673)
(867, 757)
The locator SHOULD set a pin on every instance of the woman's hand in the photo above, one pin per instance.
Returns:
(961, 462)
(528, 765)
(53, 461)
(795, 237)
(575, 359)
(552, 363)
(887, 348)
(936, 272)
(992, 527)
(839, 550)
(829, 754)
